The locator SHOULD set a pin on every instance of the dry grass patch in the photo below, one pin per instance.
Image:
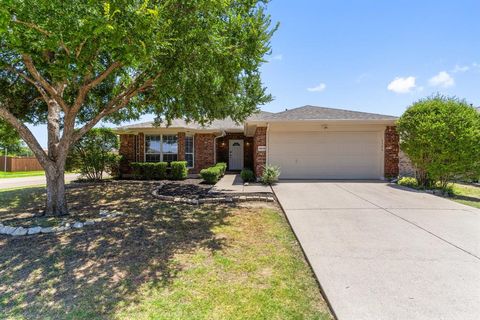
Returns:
(157, 261)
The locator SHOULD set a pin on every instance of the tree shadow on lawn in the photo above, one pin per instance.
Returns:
(86, 273)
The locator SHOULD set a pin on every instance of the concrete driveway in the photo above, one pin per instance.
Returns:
(382, 252)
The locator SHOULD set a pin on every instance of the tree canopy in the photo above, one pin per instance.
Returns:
(9, 139)
(71, 64)
(441, 135)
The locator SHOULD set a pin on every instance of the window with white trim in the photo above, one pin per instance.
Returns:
(161, 148)
(189, 151)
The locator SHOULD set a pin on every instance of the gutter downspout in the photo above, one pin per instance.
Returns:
(267, 143)
(223, 134)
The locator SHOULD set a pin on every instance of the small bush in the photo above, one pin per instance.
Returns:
(270, 174)
(223, 167)
(247, 175)
(179, 170)
(211, 175)
(408, 182)
(150, 170)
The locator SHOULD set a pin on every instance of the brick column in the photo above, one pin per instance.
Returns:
(391, 152)
(141, 148)
(181, 146)
(259, 157)
(127, 150)
(204, 151)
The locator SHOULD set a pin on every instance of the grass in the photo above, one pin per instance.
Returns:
(157, 261)
(19, 174)
(467, 194)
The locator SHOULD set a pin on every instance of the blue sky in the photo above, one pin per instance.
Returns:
(370, 55)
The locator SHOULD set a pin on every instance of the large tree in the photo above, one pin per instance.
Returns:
(73, 63)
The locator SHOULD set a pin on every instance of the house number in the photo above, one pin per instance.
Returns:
(262, 148)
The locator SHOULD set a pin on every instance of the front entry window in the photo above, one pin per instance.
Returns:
(161, 148)
(189, 147)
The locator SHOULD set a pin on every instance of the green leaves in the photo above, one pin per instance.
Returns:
(441, 135)
(204, 56)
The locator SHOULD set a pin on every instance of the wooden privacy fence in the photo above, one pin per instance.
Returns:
(19, 164)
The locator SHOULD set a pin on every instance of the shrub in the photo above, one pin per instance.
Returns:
(408, 182)
(150, 170)
(94, 154)
(247, 175)
(223, 167)
(441, 136)
(211, 175)
(270, 174)
(179, 170)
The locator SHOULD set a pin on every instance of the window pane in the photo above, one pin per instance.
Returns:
(170, 144)
(152, 144)
(169, 157)
(188, 144)
(152, 157)
(189, 159)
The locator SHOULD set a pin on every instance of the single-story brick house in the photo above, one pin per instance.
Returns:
(306, 143)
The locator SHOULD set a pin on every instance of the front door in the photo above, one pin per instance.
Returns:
(235, 154)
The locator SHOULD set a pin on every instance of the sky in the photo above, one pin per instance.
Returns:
(369, 55)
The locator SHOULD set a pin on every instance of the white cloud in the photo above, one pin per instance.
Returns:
(442, 79)
(277, 57)
(321, 87)
(402, 85)
(459, 68)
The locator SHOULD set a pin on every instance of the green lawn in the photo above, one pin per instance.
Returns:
(467, 194)
(157, 261)
(18, 174)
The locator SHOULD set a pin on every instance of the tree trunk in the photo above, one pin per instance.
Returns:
(56, 200)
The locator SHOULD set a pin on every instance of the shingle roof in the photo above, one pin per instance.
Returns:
(301, 113)
(322, 113)
(224, 124)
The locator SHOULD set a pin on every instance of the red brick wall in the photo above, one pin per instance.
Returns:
(127, 150)
(223, 145)
(181, 146)
(259, 158)
(204, 151)
(391, 152)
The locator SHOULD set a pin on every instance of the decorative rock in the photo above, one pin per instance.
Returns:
(177, 199)
(89, 222)
(47, 230)
(34, 230)
(242, 198)
(20, 231)
(78, 225)
(245, 184)
(8, 230)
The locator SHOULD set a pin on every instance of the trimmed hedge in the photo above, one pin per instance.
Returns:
(179, 170)
(222, 166)
(150, 170)
(211, 175)
(247, 175)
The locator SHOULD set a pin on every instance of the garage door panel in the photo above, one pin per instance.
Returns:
(332, 155)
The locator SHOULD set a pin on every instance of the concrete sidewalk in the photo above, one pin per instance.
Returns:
(9, 183)
(232, 183)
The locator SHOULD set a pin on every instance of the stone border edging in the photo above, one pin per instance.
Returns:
(223, 199)
(22, 231)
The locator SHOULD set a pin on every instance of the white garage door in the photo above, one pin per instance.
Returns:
(327, 155)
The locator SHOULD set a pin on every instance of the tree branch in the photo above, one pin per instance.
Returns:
(27, 136)
(33, 26)
(28, 79)
(84, 89)
(43, 82)
(114, 105)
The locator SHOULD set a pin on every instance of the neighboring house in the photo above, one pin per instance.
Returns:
(306, 143)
